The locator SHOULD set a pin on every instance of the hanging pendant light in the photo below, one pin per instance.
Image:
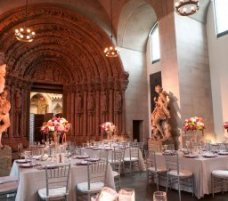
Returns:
(23, 33)
(187, 7)
(111, 51)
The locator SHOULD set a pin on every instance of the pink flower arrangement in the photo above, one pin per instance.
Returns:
(108, 127)
(194, 123)
(226, 125)
(56, 124)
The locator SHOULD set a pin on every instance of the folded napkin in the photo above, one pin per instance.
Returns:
(7, 179)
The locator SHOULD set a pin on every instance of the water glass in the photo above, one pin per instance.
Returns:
(159, 196)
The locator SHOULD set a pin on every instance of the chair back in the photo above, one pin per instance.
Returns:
(151, 160)
(103, 154)
(117, 158)
(172, 162)
(57, 177)
(96, 172)
(134, 153)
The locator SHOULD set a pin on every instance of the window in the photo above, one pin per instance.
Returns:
(221, 16)
(155, 44)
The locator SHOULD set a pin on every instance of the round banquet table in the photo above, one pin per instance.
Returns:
(32, 179)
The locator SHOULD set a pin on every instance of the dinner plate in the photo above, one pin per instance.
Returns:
(23, 161)
(27, 165)
(92, 159)
(223, 153)
(191, 156)
(83, 163)
(209, 155)
(81, 156)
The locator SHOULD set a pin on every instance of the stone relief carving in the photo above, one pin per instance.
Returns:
(118, 102)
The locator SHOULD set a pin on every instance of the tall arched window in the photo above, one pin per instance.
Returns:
(155, 44)
(221, 16)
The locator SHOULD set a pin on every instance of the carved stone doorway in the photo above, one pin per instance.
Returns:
(44, 104)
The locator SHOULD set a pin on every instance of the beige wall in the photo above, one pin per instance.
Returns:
(218, 58)
(137, 91)
(194, 72)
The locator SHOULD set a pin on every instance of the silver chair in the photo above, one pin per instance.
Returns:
(117, 164)
(96, 174)
(57, 179)
(103, 155)
(177, 175)
(133, 159)
(153, 171)
(219, 181)
(8, 188)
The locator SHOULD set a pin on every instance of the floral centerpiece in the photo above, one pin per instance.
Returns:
(109, 128)
(194, 124)
(55, 127)
(226, 125)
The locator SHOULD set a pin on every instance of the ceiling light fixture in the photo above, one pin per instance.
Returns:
(24, 33)
(111, 51)
(187, 7)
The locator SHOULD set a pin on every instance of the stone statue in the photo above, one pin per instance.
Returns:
(118, 102)
(4, 113)
(42, 106)
(2, 77)
(104, 106)
(78, 103)
(160, 115)
(91, 102)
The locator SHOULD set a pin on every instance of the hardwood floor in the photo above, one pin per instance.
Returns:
(144, 191)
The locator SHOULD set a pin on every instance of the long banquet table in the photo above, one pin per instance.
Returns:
(201, 168)
(32, 179)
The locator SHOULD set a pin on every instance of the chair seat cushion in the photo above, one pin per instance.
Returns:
(94, 187)
(182, 173)
(128, 159)
(115, 174)
(53, 193)
(159, 169)
(8, 184)
(220, 173)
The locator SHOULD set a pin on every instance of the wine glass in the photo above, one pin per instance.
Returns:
(159, 196)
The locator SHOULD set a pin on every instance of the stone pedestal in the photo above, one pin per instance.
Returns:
(5, 160)
(154, 145)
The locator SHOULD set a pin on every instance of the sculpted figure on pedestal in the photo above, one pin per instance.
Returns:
(118, 102)
(2, 77)
(78, 103)
(4, 113)
(91, 102)
(160, 115)
(104, 106)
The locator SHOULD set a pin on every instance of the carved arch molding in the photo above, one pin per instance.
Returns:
(67, 52)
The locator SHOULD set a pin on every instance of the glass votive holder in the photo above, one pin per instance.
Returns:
(159, 196)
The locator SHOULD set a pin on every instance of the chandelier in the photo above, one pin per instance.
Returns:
(24, 33)
(111, 51)
(186, 7)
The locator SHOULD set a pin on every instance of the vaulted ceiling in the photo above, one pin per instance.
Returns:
(71, 35)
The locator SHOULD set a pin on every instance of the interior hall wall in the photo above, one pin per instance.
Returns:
(137, 91)
(194, 72)
(218, 60)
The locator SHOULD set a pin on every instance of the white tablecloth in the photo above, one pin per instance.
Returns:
(32, 179)
(95, 152)
(201, 168)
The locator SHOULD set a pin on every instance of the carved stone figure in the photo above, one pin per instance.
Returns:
(160, 115)
(42, 106)
(91, 102)
(4, 113)
(78, 103)
(104, 106)
(118, 102)
(2, 77)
